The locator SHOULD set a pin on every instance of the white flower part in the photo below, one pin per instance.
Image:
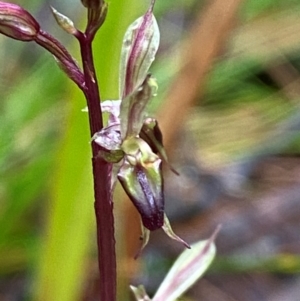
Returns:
(113, 108)
(109, 138)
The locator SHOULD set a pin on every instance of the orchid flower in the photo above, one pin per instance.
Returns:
(132, 141)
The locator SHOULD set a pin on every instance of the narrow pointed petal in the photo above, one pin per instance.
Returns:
(132, 112)
(187, 269)
(151, 133)
(145, 239)
(168, 230)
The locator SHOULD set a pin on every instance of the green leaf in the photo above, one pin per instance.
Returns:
(187, 269)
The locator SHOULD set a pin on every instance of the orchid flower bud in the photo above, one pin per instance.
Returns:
(92, 3)
(97, 11)
(140, 45)
(17, 23)
(64, 22)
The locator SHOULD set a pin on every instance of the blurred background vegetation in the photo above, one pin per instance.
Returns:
(237, 153)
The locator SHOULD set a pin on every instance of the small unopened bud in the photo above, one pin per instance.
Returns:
(17, 23)
(97, 12)
(64, 22)
(140, 45)
(94, 4)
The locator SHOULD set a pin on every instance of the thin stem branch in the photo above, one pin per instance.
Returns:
(102, 179)
(65, 60)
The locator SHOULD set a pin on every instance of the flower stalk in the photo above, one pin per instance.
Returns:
(102, 191)
(102, 172)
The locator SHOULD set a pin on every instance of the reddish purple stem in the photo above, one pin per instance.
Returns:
(102, 179)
